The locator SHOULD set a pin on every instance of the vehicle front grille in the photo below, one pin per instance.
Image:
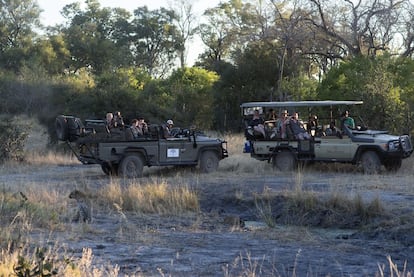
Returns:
(406, 143)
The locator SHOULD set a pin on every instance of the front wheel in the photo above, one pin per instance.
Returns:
(131, 166)
(370, 162)
(284, 161)
(209, 162)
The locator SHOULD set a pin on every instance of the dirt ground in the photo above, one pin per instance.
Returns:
(229, 237)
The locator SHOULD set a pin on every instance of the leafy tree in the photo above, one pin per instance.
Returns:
(50, 54)
(372, 80)
(155, 40)
(18, 19)
(90, 35)
(193, 92)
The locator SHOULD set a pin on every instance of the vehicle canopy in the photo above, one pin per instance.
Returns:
(311, 105)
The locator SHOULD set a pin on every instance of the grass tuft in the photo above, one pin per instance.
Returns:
(154, 197)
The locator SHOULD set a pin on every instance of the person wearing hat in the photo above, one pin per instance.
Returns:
(167, 128)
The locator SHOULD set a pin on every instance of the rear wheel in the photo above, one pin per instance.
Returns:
(393, 165)
(370, 162)
(285, 161)
(209, 162)
(131, 166)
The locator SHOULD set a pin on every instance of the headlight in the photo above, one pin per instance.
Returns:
(393, 145)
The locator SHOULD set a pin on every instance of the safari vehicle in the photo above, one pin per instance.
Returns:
(369, 149)
(119, 154)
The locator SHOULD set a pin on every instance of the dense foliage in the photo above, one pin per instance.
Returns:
(13, 136)
(106, 59)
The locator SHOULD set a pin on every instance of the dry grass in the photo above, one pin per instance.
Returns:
(47, 204)
(50, 158)
(52, 261)
(153, 197)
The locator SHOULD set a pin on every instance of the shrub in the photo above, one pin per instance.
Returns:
(13, 136)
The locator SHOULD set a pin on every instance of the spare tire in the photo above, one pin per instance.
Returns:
(62, 129)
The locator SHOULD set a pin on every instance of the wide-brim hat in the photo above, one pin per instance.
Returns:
(170, 122)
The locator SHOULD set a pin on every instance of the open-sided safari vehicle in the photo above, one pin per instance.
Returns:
(370, 149)
(119, 153)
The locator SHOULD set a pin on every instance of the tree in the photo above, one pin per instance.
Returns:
(185, 25)
(355, 27)
(18, 19)
(155, 40)
(216, 36)
(375, 81)
(91, 37)
(193, 91)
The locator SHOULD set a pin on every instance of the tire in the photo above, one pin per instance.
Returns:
(285, 161)
(209, 162)
(393, 165)
(110, 169)
(62, 128)
(131, 166)
(370, 162)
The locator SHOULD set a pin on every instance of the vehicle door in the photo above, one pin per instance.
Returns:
(176, 150)
(334, 148)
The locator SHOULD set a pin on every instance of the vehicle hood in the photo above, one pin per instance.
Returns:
(375, 134)
(206, 138)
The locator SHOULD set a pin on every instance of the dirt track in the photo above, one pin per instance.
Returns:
(228, 237)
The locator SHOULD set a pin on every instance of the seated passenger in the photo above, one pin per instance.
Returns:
(347, 121)
(297, 128)
(281, 124)
(167, 127)
(135, 130)
(109, 122)
(143, 126)
(118, 121)
(312, 125)
(332, 130)
(257, 123)
(271, 116)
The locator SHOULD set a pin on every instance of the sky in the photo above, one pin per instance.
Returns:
(51, 14)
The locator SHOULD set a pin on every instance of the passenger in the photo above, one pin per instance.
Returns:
(167, 127)
(332, 130)
(347, 121)
(135, 130)
(109, 122)
(312, 125)
(271, 116)
(143, 126)
(297, 128)
(271, 124)
(281, 124)
(118, 120)
(257, 123)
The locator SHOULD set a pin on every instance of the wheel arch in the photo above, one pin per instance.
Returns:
(364, 148)
(137, 150)
(281, 148)
(216, 150)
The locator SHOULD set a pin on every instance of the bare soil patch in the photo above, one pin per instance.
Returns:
(230, 235)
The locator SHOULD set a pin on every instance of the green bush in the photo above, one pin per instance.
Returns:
(13, 137)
